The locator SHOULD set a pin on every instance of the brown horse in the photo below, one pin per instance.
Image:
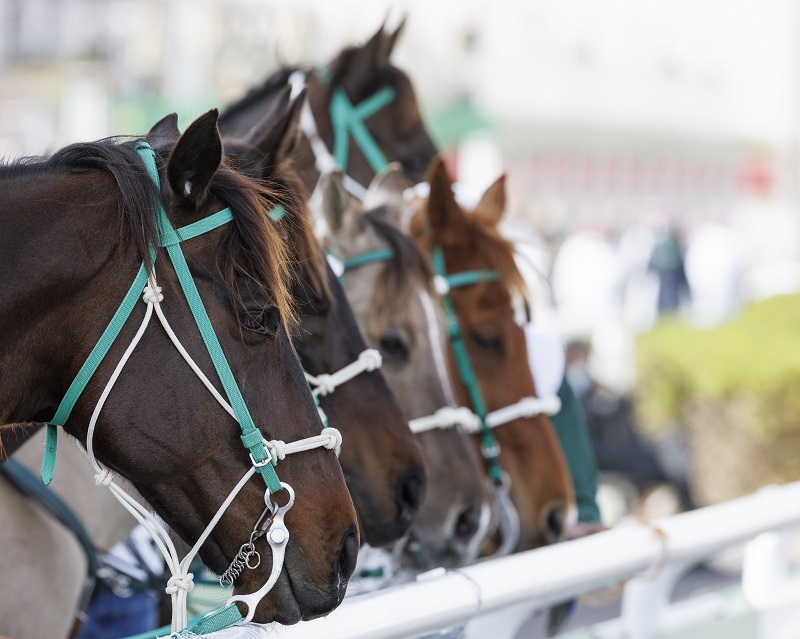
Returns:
(382, 461)
(357, 74)
(74, 229)
(393, 301)
(530, 455)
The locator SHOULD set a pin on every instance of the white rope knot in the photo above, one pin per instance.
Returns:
(325, 384)
(334, 438)
(104, 477)
(180, 582)
(371, 358)
(440, 285)
(152, 295)
(277, 448)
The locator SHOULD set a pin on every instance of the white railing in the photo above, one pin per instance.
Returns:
(495, 597)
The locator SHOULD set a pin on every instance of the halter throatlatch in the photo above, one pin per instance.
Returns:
(347, 120)
(264, 454)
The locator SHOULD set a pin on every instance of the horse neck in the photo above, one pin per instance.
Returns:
(57, 232)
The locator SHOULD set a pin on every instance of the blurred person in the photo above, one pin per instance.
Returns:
(129, 588)
(585, 278)
(714, 268)
(615, 440)
(667, 262)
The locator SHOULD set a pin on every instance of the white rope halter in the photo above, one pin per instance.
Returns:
(449, 417)
(369, 360)
(181, 581)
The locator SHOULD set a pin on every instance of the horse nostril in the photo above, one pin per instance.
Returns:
(347, 557)
(410, 489)
(554, 524)
(467, 525)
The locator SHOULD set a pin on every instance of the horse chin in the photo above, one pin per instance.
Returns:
(287, 604)
(280, 605)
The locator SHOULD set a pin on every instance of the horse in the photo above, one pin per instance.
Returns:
(359, 95)
(389, 285)
(479, 281)
(75, 229)
(382, 463)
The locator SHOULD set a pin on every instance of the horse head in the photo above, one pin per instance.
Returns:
(388, 283)
(493, 362)
(382, 462)
(77, 229)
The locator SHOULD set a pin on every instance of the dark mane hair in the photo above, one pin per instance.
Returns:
(272, 85)
(296, 225)
(253, 249)
(407, 267)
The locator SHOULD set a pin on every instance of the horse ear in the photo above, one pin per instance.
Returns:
(367, 57)
(390, 40)
(493, 201)
(164, 133)
(274, 137)
(337, 205)
(387, 188)
(195, 158)
(444, 215)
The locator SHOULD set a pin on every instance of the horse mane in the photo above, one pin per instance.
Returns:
(399, 274)
(297, 224)
(271, 86)
(253, 249)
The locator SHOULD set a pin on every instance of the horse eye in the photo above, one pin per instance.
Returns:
(488, 342)
(263, 322)
(393, 346)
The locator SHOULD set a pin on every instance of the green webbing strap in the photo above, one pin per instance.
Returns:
(348, 120)
(368, 257)
(471, 277)
(466, 373)
(251, 436)
(85, 373)
(215, 621)
(277, 213)
(170, 237)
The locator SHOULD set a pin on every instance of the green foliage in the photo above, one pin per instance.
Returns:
(757, 354)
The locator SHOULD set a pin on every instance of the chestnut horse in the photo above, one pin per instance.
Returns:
(359, 96)
(389, 284)
(382, 461)
(75, 229)
(495, 347)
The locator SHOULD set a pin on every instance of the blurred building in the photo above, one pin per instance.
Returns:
(601, 111)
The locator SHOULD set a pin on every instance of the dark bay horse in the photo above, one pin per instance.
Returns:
(382, 461)
(389, 284)
(495, 344)
(74, 229)
(359, 96)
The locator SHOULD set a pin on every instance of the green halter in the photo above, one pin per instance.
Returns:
(348, 120)
(466, 373)
(251, 437)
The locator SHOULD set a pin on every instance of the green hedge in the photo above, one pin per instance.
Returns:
(754, 356)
